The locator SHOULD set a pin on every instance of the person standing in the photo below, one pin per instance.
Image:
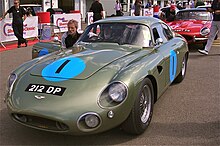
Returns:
(70, 37)
(170, 14)
(156, 9)
(17, 22)
(118, 8)
(97, 10)
(137, 7)
(215, 26)
(148, 5)
(199, 3)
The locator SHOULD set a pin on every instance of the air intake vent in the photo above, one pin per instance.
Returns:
(39, 122)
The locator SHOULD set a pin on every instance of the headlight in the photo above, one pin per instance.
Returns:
(205, 31)
(113, 94)
(117, 92)
(92, 121)
(11, 79)
(89, 121)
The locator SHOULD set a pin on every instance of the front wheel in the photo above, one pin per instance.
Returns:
(182, 73)
(142, 111)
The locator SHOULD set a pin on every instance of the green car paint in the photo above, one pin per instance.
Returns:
(35, 100)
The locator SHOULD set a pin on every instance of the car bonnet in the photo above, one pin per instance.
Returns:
(78, 66)
(190, 24)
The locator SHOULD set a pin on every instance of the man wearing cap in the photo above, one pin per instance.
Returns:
(170, 14)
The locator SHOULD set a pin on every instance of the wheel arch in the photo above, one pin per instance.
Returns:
(154, 82)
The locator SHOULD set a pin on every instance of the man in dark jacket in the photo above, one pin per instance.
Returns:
(97, 10)
(17, 23)
(170, 14)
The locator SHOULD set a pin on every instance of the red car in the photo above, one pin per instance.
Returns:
(193, 24)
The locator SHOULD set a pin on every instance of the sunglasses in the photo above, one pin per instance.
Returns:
(15, 3)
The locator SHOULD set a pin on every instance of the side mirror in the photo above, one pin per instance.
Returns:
(159, 41)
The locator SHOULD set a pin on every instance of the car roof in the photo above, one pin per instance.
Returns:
(146, 20)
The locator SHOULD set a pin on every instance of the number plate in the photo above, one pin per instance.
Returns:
(48, 89)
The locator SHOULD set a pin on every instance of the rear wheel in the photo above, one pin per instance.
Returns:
(142, 111)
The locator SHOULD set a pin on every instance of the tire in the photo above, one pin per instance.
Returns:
(182, 73)
(142, 111)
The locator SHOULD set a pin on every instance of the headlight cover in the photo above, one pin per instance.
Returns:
(204, 31)
(11, 79)
(113, 94)
(117, 92)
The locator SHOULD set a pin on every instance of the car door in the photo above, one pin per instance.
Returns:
(167, 47)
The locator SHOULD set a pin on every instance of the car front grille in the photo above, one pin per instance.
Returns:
(39, 122)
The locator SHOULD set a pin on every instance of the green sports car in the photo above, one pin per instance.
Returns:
(112, 77)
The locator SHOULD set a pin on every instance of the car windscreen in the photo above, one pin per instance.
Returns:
(121, 33)
(195, 15)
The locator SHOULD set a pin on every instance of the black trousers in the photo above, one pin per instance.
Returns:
(18, 31)
(97, 16)
(118, 13)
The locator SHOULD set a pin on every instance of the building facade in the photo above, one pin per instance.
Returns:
(80, 5)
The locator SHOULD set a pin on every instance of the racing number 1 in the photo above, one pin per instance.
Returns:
(62, 66)
(173, 65)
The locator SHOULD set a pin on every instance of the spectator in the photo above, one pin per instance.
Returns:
(179, 5)
(137, 8)
(192, 4)
(118, 8)
(170, 14)
(17, 22)
(156, 9)
(148, 5)
(97, 10)
(199, 3)
(29, 12)
(215, 26)
(70, 37)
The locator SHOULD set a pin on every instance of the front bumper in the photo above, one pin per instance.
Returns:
(68, 122)
(195, 39)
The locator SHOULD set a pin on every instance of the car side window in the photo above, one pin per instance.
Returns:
(155, 34)
(167, 32)
(158, 32)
